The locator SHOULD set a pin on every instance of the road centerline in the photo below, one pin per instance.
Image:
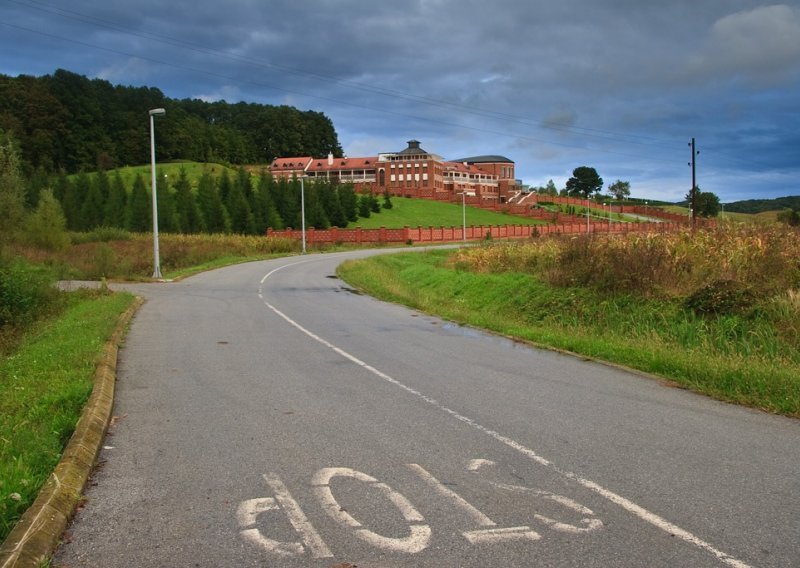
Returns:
(628, 505)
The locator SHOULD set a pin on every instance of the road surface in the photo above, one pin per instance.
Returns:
(268, 415)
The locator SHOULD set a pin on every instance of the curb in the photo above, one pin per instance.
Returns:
(36, 535)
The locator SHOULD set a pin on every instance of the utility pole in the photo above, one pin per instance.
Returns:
(693, 193)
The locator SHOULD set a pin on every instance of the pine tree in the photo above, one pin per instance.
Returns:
(363, 206)
(92, 212)
(167, 216)
(186, 206)
(114, 214)
(269, 216)
(138, 216)
(239, 211)
(212, 213)
(349, 201)
(387, 200)
(315, 212)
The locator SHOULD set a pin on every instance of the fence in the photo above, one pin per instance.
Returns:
(473, 233)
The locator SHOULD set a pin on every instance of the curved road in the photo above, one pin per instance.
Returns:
(267, 415)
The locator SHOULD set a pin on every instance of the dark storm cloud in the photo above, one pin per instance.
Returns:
(619, 85)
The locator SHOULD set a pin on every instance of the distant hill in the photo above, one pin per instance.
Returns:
(762, 205)
(67, 122)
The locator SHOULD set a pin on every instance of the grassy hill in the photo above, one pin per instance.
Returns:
(194, 170)
(425, 213)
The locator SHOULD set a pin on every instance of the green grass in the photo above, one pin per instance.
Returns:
(427, 213)
(44, 385)
(194, 170)
(731, 358)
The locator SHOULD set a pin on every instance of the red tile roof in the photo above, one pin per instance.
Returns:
(321, 164)
(284, 164)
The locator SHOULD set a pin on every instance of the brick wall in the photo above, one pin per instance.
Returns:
(455, 234)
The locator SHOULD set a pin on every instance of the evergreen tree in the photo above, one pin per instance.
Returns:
(167, 216)
(374, 205)
(269, 216)
(103, 185)
(239, 210)
(92, 209)
(387, 200)
(60, 188)
(138, 215)
(212, 212)
(315, 212)
(114, 214)
(291, 200)
(349, 201)
(186, 206)
(74, 200)
(364, 206)
(224, 186)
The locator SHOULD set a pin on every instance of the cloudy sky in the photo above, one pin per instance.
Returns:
(619, 85)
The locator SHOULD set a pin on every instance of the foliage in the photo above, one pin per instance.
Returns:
(790, 216)
(584, 182)
(620, 189)
(706, 204)
(721, 297)
(26, 293)
(66, 121)
(12, 189)
(761, 205)
(46, 227)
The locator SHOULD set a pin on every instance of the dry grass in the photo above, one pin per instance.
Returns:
(766, 260)
(132, 258)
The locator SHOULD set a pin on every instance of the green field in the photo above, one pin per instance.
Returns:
(425, 213)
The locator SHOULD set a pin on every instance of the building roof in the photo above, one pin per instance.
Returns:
(290, 164)
(488, 159)
(321, 164)
(413, 149)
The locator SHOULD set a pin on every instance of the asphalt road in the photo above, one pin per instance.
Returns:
(267, 415)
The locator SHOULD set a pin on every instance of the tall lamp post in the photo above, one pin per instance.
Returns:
(464, 216)
(303, 213)
(156, 260)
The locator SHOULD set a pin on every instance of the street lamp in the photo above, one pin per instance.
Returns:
(156, 260)
(303, 213)
(464, 216)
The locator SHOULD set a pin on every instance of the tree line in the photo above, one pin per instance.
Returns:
(42, 208)
(240, 203)
(67, 122)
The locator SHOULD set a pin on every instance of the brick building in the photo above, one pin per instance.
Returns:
(412, 172)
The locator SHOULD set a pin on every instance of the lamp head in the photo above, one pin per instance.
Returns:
(157, 112)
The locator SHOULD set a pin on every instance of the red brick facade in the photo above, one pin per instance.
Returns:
(412, 172)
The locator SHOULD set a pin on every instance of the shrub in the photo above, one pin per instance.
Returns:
(26, 293)
(721, 297)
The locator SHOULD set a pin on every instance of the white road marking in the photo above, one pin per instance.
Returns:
(488, 536)
(420, 534)
(248, 513)
(647, 516)
(448, 493)
(590, 524)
